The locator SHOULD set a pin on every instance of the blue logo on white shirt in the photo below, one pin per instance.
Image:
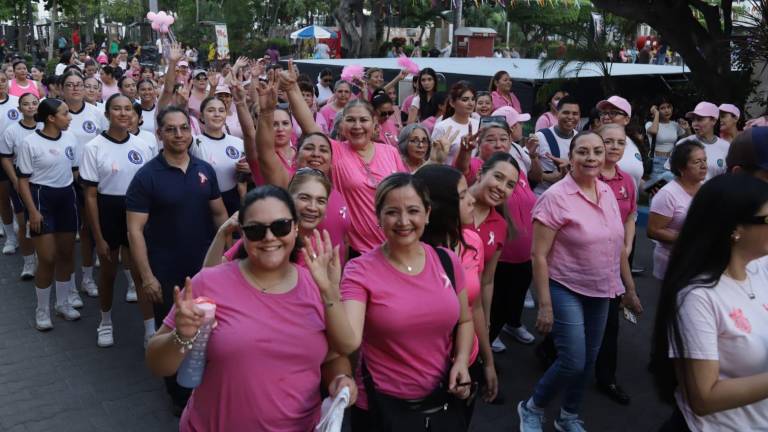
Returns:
(232, 152)
(13, 115)
(134, 157)
(89, 127)
(70, 153)
(720, 163)
(638, 157)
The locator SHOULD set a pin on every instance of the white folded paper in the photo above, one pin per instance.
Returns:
(333, 412)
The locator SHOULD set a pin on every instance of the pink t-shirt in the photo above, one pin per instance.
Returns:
(329, 115)
(501, 101)
(232, 125)
(493, 233)
(194, 102)
(263, 358)
(671, 201)
(17, 90)
(473, 262)
(586, 253)
(407, 103)
(388, 133)
(357, 182)
(623, 188)
(545, 120)
(109, 90)
(258, 179)
(407, 350)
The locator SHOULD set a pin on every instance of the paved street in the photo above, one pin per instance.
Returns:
(61, 381)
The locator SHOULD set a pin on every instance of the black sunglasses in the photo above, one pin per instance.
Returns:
(257, 231)
(385, 114)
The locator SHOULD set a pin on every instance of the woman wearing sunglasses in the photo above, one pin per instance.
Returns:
(110, 162)
(262, 300)
(711, 329)
(385, 109)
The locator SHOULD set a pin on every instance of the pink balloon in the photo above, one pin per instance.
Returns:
(171, 20)
(155, 26)
(161, 14)
(151, 16)
(164, 28)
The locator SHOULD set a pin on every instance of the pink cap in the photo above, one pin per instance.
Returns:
(182, 63)
(730, 109)
(513, 117)
(704, 109)
(616, 102)
(222, 89)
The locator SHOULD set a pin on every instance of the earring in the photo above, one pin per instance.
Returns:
(735, 237)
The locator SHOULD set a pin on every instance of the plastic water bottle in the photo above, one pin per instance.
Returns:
(190, 373)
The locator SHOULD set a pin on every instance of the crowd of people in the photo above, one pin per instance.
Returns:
(351, 240)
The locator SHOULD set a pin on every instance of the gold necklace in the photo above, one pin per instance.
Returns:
(388, 255)
(259, 285)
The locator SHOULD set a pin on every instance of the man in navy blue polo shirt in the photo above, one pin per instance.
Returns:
(174, 207)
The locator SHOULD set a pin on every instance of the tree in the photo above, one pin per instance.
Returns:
(703, 43)
(349, 15)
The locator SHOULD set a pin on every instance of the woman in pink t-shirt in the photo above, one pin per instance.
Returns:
(269, 312)
(342, 92)
(388, 131)
(579, 263)
(21, 83)
(407, 353)
(670, 204)
(549, 118)
(450, 209)
(501, 91)
(358, 164)
(484, 104)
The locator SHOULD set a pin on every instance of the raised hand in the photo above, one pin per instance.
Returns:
(176, 53)
(267, 93)
(441, 146)
(469, 141)
(213, 78)
(322, 260)
(288, 77)
(188, 317)
(532, 144)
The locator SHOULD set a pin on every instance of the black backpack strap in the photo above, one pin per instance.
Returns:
(554, 148)
(447, 263)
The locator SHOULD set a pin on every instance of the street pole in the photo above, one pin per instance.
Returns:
(456, 24)
(153, 6)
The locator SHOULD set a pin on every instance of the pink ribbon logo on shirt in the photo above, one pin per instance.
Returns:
(765, 306)
(491, 238)
(742, 323)
(343, 212)
(623, 192)
(203, 178)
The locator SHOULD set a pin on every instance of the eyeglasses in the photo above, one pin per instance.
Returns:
(385, 114)
(417, 141)
(257, 231)
(309, 171)
(758, 220)
(73, 85)
(612, 114)
(183, 129)
(201, 77)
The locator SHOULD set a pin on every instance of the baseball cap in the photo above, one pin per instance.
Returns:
(704, 109)
(197, 72)
(182, 63)
(618, 102)
(513, 117)
(222, 89)
(730, 109)
(749, 149)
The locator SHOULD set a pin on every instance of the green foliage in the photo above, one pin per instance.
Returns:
(486, 15)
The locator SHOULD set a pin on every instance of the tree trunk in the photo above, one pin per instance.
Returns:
(350, 37)
(706, 50)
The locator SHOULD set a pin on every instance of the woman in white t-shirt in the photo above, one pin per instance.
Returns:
(458, 118)
(666, 133)
(711, 337)
(703, 119)
(670, 205)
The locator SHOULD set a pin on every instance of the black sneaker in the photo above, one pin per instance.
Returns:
(615, 392)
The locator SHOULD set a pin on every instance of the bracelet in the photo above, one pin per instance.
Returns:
(184, 344)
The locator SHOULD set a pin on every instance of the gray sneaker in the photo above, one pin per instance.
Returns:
(569, 424)
(67, 312)
(43, 319)
(530, 421)
(74, 299)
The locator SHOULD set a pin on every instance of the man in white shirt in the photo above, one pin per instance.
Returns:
(555, 142)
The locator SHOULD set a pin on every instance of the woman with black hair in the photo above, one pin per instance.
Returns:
(711, 332)
(423, 105)
(451, 215)
(21, 83)
(148, 100)
(458, 117)
(385, 111)
(669, 206)
(109, 163)
(663, 132)
(262, 300)
(46, 176)
(127, 86)
(549, 118)
(501, 91)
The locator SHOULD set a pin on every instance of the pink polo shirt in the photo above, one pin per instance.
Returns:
(623, 188)
(407, 350)
(493, 233)
(473, 262)
(282, 338)
(357, 182)
(586, 252)
(501, 101)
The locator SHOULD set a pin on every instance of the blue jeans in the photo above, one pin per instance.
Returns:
(659, 170)
(579, 323)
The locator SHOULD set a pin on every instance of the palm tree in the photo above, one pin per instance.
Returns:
(589, 54)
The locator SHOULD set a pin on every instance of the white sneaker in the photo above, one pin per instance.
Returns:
(105, 338)
(96, 262)
(130, 295)
(43, 319)
(529, 302)
(74, 299)
(30, 267)
(498, 346)
(67, 312)
(89, 287)
(520, 333)
(9, 248)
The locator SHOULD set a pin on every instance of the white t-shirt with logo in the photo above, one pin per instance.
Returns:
(563, 144)
(722, 323)
(111, 164)
(223, 155)
(151, 140)
(716, 153)
(632, 162)
(148, 122)
(47, 161)
(9, 112)
(11, 139)
(87, 123)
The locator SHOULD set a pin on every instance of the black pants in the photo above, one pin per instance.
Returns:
(178, 394)
(362, 421)
(510, 284)
(607, 358)
(676, 423)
